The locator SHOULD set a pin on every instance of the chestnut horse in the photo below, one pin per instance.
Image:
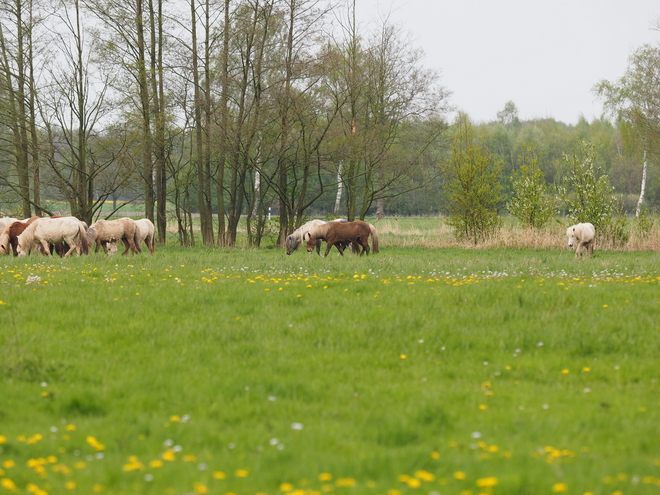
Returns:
(342, 234)
(9, 237)
(297, 237)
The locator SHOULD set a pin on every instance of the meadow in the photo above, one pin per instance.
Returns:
(435, 370)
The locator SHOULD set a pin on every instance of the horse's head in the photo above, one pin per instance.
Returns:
(311, 244)
(111, 246)
(290, 244)
(570, 233)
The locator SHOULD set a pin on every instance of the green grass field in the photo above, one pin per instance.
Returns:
(434, 371)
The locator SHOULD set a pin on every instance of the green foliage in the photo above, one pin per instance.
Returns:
(472, 182)
(530, 202)
(588, 195)
(190, 371)
(643, 223)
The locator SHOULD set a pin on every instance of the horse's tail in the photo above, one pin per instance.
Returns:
(82, 235)
(136, 240)
(374, 238)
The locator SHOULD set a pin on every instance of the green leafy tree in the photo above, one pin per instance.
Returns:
(472, 181)
(589, 196)
(530, 202)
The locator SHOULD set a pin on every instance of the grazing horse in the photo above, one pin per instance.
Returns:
(9, 237)
(341, 234)
(146, 231)
(582, 234)
(123, 229)
(297, 237)
(46, 231)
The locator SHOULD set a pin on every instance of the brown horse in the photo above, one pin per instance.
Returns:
(342, 234)
(9, 237)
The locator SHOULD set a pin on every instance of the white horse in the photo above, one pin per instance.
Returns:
(146, 231)
(582, 236)
(46, 231)
(295, 239)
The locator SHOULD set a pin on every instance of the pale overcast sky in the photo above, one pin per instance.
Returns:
(545, 56)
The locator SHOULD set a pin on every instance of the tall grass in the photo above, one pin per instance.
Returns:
(247, 371)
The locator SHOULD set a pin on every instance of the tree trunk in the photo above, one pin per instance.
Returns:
(643, 190)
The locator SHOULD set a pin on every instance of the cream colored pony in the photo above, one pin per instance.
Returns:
(122, 229)
(46, 231)
(582, 236)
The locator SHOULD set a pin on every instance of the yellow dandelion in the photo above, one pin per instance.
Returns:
(393, 492)
(565, 371)
(483, 407)
(70, 485)
(489, 482)
(8, 464)
(586, 369)
(559, 487)
(403, 356)
(95, 443)
(286, 487)
(425, 475)
(8, 484)
(414, 483)
(219, 475)
(435, 455)
(241, 473)
(200, 488)
(156, 463)
(3, 439)
(325, 477)
(345, 482)
(460, 475)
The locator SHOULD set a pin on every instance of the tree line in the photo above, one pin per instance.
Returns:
(224, 110)
(220, 109)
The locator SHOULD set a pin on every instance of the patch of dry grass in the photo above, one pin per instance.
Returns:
(433, 232)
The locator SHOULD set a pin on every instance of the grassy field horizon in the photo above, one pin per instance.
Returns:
(246, 371)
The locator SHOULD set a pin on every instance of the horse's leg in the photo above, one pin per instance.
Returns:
(318, 247)
(340, 247)
(127, 245)
(327, 250)
(365, 247)
(45, 248)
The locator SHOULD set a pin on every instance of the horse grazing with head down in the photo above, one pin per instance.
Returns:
(582, 234)
(342, 234)
(43, 232)
(297, 237)
(122, 229)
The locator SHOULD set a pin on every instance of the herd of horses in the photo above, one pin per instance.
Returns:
(66, 235)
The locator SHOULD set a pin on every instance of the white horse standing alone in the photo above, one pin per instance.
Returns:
(46, 231)
(582, 236)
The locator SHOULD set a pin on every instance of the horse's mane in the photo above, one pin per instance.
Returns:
(27, 237)
(317, 231)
